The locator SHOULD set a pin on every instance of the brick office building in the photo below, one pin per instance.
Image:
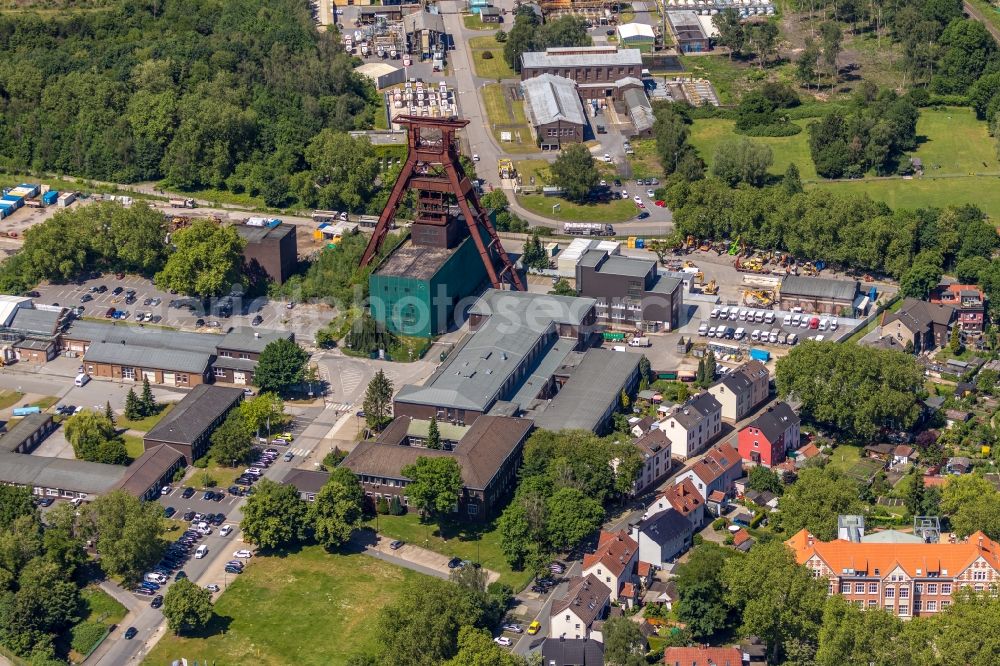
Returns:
(599, 71)
(190, 423)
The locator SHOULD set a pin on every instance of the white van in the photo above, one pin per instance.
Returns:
(640, 342)
(715, 313)
(720, 331)
(772, 337)
(620, 348)
(833, 323)
(823, 323)
(201, 552)
(740, 333)
(703, 329)
(796, 319)
(787, 321)
(724, 312)
(81, 379)
(755, 336)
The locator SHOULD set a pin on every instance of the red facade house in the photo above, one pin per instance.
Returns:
(968, 300)
(767, 439)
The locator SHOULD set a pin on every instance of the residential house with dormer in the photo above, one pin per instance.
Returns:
(693, 425)
(614, 561)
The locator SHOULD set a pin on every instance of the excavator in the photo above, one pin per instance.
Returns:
(711, 288)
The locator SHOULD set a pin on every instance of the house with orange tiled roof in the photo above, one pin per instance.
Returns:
(685, 498)
(906, 579)
(614, 561)
(703, 656)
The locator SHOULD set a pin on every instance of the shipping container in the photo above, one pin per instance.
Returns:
(15, 201)
(24, 411)
(50, 197)
(66, 198)
(32, 188)
(761, 355)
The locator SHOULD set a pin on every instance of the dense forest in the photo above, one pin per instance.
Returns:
(202, 93)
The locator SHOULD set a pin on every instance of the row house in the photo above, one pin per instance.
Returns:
(742, 390)
(614, 563)
(692, 426)
(717, 470)
(769, 437)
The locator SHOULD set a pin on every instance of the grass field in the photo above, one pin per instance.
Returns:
(223, 475)
(617, 210)
(307, 608)
(707, 134)
(100, 606)
(133, 445)
(473, 22)
(730, 78)
(145, 424)
(954, 147)
(508, 116)
(844, 457)
(458, 541)
(9, 398)
(494, 68)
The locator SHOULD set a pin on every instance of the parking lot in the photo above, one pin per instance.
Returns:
(303, 319)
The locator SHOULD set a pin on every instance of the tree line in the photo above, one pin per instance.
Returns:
(224, 95)
(529, 34)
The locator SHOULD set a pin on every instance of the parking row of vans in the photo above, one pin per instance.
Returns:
(774, 336)
(812, 322)
(733, 313)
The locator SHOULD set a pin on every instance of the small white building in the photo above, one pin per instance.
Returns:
(662, 537)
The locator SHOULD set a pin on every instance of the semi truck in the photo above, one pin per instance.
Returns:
(588, 229)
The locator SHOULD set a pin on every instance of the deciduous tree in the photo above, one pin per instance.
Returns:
(128, 533)
(95, 439)
(572, 516)
(232, 442)
(435, 484)
(205, 262)
(338, 509)
(274, 516)
(701, 605)
(187, 607)
(576, 172)
(281, 366)
(815, 500)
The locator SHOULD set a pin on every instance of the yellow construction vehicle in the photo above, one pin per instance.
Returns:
(699, 277)
(505, 168)
(711, 288)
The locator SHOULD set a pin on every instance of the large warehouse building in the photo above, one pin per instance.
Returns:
(599, 71)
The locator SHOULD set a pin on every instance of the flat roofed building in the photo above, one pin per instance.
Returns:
(688, 34)
(239, 350)
(517, 341)
(190, 423)
(488, 452)
(271, 251)
(629, 291)
(555, 111)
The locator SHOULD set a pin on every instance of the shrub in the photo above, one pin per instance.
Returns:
(86, 635)
(698, 539)
(775, 129)
(333, 458)
(487, 55)
(382, 506)
(719, 524)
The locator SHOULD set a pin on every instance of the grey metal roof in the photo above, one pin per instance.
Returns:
(423, 20)
(551, 99)
(639, 109)
(62, 473)
(593, 385)
(22, 430)
(39, 322)
(142, 336)
(816, 287)
(192, 416)
(595, 56)
(665, 284)
(148, 357)
(522, 333)
(252, 340)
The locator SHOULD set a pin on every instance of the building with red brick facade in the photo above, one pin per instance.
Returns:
(906, 579)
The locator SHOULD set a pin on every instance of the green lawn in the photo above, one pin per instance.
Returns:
(225, 197)
(844, 457)
(473, 22)
(101, 606)
(983, 191)
(730, 78)
(305, 608)
(133, 445)
(459, 541)
(508, 116)
(223, 475)
(493, 68)
(145, 424)
(617, 210)
(9, 398)
(706, 134)
(645, 163)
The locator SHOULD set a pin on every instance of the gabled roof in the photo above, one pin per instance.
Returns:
(916, 559)
(572, 652)
(717, 461)
(703, 656)
(194, 414)
(683, 497)
(652, 442)
(615, 551)
(665, 526)
(775, 421)
(586, 598)
(695, 410)
(903, 451)
(919, 316)
(551, 99)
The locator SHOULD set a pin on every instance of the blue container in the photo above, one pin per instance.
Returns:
(24, 411)
(873, 294)
(50, 197)
(34, 188)
(761, 355)
(16, 201)
(640, 243)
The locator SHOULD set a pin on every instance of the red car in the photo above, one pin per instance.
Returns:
(661, 203)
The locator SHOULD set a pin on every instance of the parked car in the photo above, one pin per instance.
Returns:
(513, 628)
(45, 501)
(396, 545)
(242, 554)
(212, 587)
(130, 633)
(179, 575)
(235, 563)
(534, 627)
(188, 493)
(503, 641)
(233, 570)
(455, 563)
(169, 512)
(157, 601)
